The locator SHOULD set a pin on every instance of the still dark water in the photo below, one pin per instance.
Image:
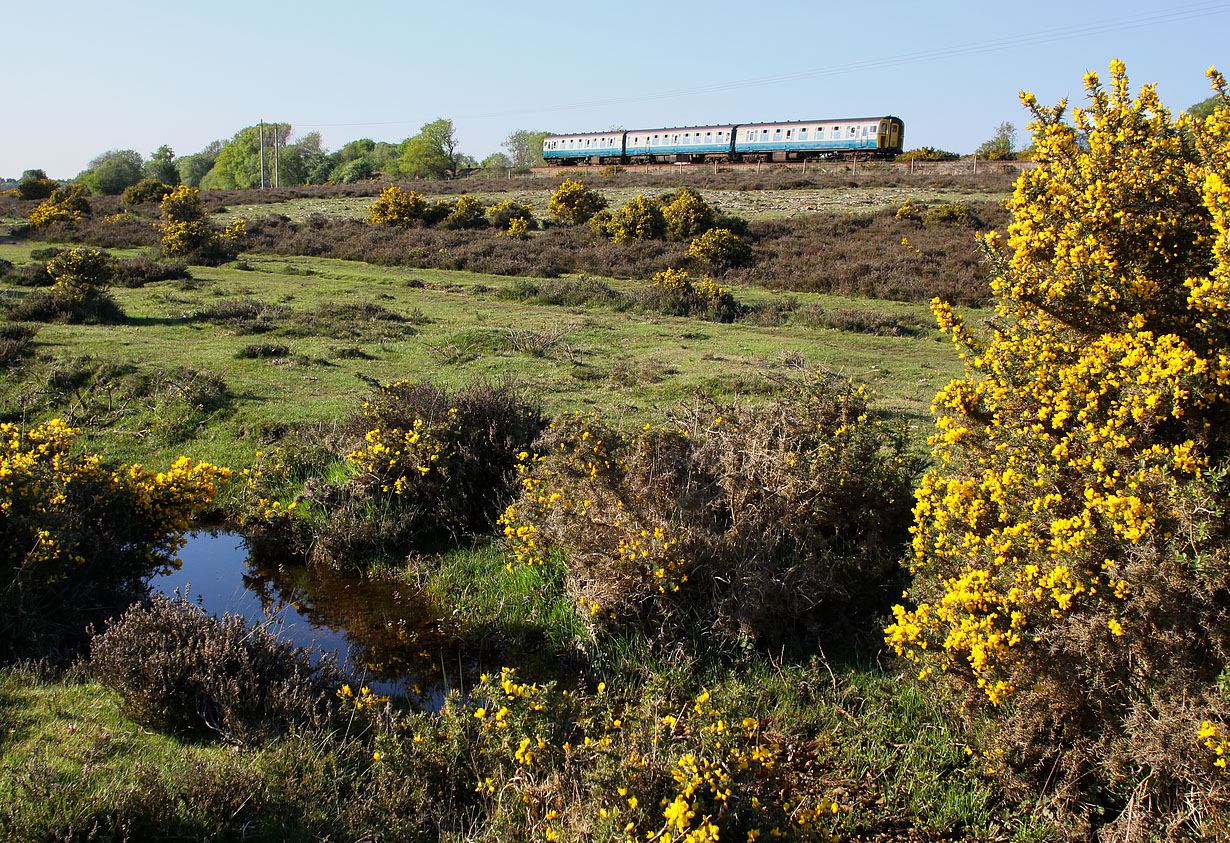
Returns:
(383, 633)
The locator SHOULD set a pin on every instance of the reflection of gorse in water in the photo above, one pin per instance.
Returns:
(381, 628)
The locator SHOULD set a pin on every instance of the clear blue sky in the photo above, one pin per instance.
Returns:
(83, 76)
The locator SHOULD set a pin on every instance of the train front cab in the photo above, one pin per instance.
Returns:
(891, 136)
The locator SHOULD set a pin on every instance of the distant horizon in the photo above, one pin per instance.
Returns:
(382, 70)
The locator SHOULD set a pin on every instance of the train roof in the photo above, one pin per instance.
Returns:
(822, 120)
(660, 129)
(586, 134)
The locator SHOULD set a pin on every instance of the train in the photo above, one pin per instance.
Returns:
(799, 140)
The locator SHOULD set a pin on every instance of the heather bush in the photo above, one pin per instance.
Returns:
(16, 343)
(769, 523)
(263, 350)
(79, 538)
(573, 203)
(1071, 554)
(29, 275)
(422, 465)
(178, 668)
(139, 271)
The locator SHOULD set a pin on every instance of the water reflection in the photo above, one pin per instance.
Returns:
(382, 630)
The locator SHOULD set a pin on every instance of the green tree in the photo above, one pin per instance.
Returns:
(112, 171)
(496, 161)
(432, 153)
(360, 169)
(1001, 145)
(525, 147)
(161, 166)
(314, 163)
(238, 163)
(193, 168)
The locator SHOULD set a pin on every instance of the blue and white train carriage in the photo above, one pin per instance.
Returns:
(878, 137)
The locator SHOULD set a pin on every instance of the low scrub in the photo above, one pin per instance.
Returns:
(16, 343)
(139, 271)
(675, 294)
(420, 466)
(766, 522)
(79, 292)
(177, 668)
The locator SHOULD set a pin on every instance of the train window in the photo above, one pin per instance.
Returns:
(802, 134)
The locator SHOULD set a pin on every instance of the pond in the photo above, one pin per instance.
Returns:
(383, 632)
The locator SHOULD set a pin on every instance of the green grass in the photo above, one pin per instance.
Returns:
(456, 329)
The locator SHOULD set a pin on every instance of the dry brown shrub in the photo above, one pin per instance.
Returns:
(770, 523)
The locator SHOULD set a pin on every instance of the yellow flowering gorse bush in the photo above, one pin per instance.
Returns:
(1076, 495)
(75, 530)
(186, 231)
(395, 206)
(540, 763)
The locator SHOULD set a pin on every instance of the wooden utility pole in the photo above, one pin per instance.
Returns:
(262, 155)
(275, 155)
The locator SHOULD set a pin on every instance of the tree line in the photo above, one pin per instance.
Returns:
(269, 154)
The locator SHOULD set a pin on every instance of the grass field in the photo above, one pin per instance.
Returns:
(454, 327)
